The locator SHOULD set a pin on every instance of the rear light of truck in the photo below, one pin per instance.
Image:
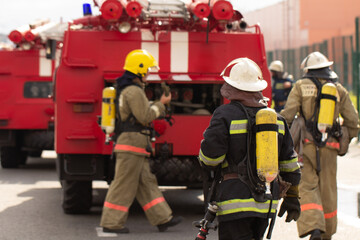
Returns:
(49, 111)
(83, 107)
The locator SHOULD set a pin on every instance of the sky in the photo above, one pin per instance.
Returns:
(16, 13)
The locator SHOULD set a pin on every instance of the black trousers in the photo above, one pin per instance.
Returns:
(243, 229)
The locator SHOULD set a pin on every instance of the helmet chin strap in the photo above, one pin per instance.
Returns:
(143, 78)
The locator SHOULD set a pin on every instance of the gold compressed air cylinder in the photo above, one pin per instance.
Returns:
(267, 146)
(108, 112)
(327, 108)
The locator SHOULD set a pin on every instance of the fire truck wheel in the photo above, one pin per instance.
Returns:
(23, 157)
(41, 139)
(11, 157)
(77, 196)
(35, 154)
(179, 170)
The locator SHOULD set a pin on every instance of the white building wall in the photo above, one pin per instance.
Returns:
(280, 24)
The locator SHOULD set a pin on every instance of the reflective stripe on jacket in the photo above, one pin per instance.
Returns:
(245, 205)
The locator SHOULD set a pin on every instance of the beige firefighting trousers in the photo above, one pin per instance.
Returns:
(318, 193)
(133, 179)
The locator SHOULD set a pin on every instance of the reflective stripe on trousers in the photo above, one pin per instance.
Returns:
(116, 207)
(126, 209)
(310, 206)
(153, 203)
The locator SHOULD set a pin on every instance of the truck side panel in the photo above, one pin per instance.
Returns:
(25, 80)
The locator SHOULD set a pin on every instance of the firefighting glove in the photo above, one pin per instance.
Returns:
(291, 205)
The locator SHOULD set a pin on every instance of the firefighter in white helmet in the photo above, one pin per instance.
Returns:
(319, 99)
(281, 84)
(230, 147)
(133, 178)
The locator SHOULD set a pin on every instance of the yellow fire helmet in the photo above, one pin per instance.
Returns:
(140, 62)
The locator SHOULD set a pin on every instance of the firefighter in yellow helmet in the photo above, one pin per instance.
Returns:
(281, 84)
(319, 99)
(230, 146)
(133, 178)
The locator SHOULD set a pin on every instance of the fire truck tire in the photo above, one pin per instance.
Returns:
(35, 154)
(23, 157)
(177, 170)
(77, 196)
(11, 157)
(43, 140)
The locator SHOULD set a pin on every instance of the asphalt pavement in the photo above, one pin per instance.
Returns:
(30, 207)
(348, 178)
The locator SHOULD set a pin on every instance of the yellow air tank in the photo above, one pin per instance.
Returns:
(267, 146)
(108, 112)
(327, 108)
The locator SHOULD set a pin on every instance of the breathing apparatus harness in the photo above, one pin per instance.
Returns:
(311, 123)
(130, 124)
(244, 167)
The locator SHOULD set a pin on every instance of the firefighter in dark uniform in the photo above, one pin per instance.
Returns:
(318, 188)
(281, 84)
(133, 178)
(228, 145)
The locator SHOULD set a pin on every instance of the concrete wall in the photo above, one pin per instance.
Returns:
(328, 18)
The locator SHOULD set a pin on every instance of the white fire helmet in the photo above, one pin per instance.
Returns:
(315, 60)
(276, 66)
(244, 74)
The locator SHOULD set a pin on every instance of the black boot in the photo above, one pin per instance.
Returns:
(315, 235)
(174, 221)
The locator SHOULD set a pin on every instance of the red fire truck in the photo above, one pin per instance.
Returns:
(26, 111)
(192, 43)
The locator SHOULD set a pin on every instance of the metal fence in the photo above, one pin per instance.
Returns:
(338, 49)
